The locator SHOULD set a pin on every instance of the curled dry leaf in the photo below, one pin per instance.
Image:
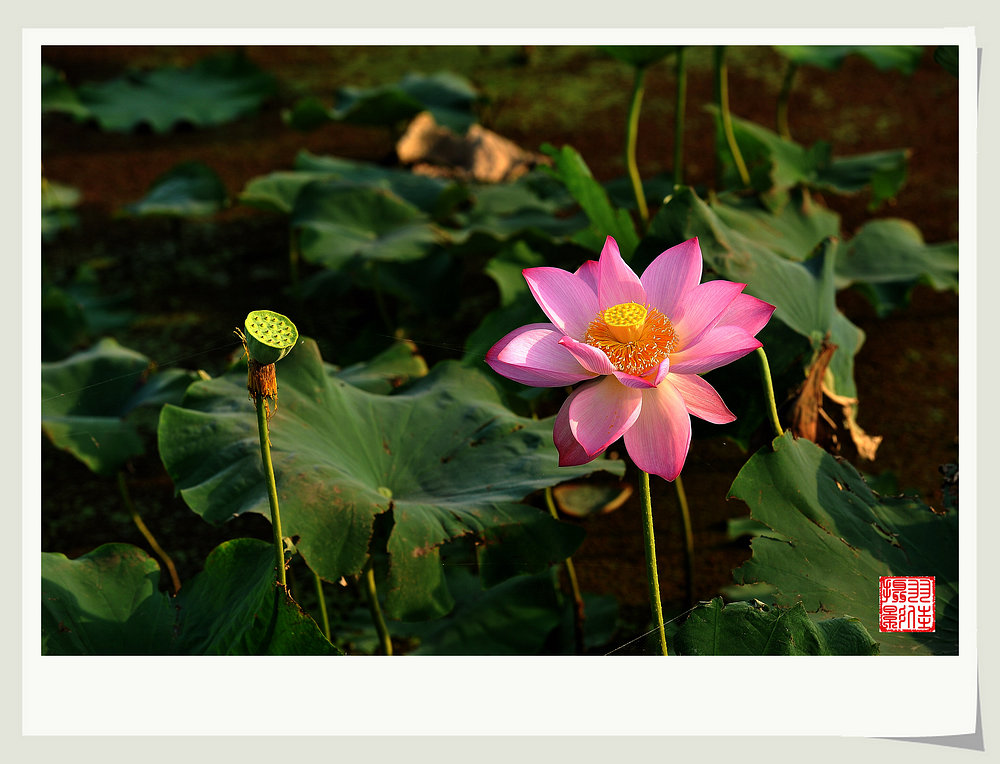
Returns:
(819, 414)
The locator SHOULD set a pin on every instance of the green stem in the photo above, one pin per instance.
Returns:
(651, 577)
(579, 612)
(272, 491)
(688, 538)
(630, 141)
(722, 94)
(322, 605)
(380, 628)
(147, 534)
(765, 375)
(783, 96)
(679, 119)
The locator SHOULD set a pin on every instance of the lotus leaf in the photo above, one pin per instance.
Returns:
(833, 538)
(444, 456)
(107, 602)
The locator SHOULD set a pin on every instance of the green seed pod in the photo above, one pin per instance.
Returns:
(270, 336)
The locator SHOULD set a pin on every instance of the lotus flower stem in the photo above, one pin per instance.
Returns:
(269, 337)
(654, 584)
(380, 628)
(722, 94)
(322, 605)
(765, 375)
(272, 490)
(630, 140)
(681, 98)
(688, 538)
(147, 534)
(579, 612)
(783, 96)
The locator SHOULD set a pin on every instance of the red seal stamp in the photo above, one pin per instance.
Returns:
(906, 603)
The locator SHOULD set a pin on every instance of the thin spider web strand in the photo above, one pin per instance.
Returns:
(648, 633)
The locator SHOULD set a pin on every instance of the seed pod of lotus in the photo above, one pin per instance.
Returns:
(270, 336)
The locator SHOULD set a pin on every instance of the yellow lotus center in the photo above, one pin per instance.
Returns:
(634, 337)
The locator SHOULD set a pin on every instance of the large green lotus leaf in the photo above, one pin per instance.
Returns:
(189, 189)
(515, 617)
(507, 270)
(449, 98)
(387, 106)
(337, 223)
(102, 312)
(777, 164)
(107, 602)
(214, 91)
(524, 615)
(64, 323)
(506, 210)
(512, 539)
(835, 538)
(278, 191)
(422, 191)
(58, 95)
(444, 455)
(905, 58)
(87, 400)
(75, 312)
(234, 608)
(393, 367)
(882, 171)
(803, 293)
(742, 628)
(794, 231)
(307, 114)
(888, 257)
(605, 220)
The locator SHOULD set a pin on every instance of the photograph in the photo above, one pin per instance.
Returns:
(480, 349)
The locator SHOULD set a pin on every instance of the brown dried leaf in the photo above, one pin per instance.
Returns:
(809, 401)
(480, 155)
(819, 414)
(866, 444)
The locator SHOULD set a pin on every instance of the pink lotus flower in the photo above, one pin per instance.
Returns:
(643, 341)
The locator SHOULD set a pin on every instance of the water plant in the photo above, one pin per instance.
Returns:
(640, 344)
(269, 337)
(482, 373)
